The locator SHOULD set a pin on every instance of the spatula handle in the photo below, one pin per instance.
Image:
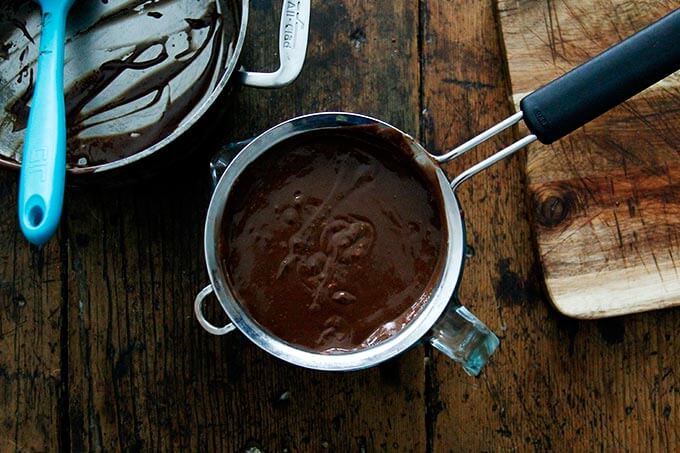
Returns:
(43, 166)
(607, 80)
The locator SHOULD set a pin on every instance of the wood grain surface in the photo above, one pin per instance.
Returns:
(100, 349)
(32, 385)
(605, 203)
(143, 373)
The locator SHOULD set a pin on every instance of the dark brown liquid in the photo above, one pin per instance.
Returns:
(331, 241)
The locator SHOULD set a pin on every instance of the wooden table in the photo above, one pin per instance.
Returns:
(99, 348)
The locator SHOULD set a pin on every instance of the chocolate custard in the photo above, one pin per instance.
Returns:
(332, 241)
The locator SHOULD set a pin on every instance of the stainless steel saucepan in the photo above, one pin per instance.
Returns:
(138, 74)
(550, 113)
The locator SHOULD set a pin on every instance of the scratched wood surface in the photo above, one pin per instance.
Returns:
(32, 385)
(142, 372)
(556, 383)
(605, 203)
(99, 348)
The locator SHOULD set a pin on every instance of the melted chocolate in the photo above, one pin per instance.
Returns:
(332, 241)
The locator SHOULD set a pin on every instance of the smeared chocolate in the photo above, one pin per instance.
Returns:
(105, 127)
(100, 150)
(332, 240)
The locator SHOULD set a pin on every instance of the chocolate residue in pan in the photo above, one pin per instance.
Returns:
(9, 22)
(4, 50)
(116, 147)
(126, 10)
(22, 26)
(149, 89)
(89, 87)
(19, 109)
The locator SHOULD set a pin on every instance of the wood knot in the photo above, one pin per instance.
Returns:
(552, 206)
(552, 211)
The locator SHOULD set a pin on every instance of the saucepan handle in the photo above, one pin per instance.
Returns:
(569, 102)
(464, 338)
(207, 325)
(293, 36)
(607, 80)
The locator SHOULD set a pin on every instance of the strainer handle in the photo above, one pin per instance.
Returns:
(293, 37)
(464, 338)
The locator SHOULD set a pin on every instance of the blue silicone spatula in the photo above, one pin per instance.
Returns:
(43, 166)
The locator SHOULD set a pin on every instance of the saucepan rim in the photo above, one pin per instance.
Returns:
(418, 328)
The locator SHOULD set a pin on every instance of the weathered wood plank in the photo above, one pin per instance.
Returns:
(31, 322)
(605, 198)
(555, 384)
(142, 372)
(465, 91)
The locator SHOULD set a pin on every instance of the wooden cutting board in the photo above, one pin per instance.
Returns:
(606, 199)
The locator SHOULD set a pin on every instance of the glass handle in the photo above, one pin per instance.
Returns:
(464, 338)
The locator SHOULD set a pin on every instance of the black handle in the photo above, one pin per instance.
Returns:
(569, 102)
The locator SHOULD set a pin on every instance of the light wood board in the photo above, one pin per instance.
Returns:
(605, 200)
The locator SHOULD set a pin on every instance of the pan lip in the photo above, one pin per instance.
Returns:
(437, 300)
(189, 122)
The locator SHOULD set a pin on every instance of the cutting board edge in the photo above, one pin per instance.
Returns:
(590, 301)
